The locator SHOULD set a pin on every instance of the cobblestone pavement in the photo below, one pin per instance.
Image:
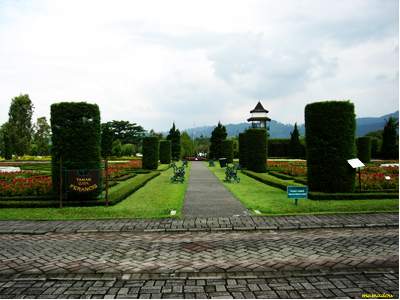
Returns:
(236, 251)
(295, 285)
(204, 224)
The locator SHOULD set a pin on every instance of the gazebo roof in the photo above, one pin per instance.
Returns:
(252, 119)
(259, 108)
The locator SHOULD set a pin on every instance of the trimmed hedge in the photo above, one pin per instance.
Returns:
(242, 150)
(227, 150)
(150, 152)
(278, 147)
(364, 149)
(256, 143)
(271, 180)
(165, 152)
(76, 138)
(330, 139)
(281, 176)
(351, 196)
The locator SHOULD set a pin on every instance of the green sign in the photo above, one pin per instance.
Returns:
(297, 192)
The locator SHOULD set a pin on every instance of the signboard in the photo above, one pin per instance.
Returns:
(83, 181)
(355, 163)
(297, 192)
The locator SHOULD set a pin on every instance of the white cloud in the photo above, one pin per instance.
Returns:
(153, 62)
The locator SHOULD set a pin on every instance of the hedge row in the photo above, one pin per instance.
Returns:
(364, 149)
(351, 196)
(76, 139)
(330, 139)
(270, 180)
(281, 148)
(227, 150)
(165, 152)
(242, 150)
(150, 152)
(281, 176)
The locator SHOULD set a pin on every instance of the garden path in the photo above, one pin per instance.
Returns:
(207, 197)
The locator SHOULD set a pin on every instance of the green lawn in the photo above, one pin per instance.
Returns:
(273, 201)
(154, 200)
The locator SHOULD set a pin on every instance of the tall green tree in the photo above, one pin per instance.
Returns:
(390, 139)
(295, 147)
(126, 132)
(5, 149)
(42, 136)
(187, 146)
(20, 124)
(106, 140)
(175, 137)
(117, 148)
(201, 144)
(218, 135)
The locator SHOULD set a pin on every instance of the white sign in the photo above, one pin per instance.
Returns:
(355, 163)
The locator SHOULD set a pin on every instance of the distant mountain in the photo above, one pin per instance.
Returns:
(280, 130)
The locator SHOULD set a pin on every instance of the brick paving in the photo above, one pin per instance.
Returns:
(254, 251)
(295, 285)
(204, 223)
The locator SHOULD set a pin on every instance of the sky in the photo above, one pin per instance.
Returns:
(200, 62)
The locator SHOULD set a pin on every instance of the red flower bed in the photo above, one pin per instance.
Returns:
(119, 169)
(292, 168)
(24, 183)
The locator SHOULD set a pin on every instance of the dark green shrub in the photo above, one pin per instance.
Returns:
(242, 150)
(330, 139)
(76, 139)
(390, 147)
(296, 149)
(117, 148)
(150, 152)
(227, 150)
(106, 140)
(165, 152)
(217, 136)
(256, 143)
(127, 150)
(375, 145)
(175, 137)
(278, 147)
(364, 149)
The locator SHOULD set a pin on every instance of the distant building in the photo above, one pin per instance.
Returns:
(259, 117)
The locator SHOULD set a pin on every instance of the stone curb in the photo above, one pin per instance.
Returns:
(197, 275)
(197, 229)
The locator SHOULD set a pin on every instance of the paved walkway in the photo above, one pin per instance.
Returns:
(204, 224)
(257, 264)
(310, 285)
(207, 197)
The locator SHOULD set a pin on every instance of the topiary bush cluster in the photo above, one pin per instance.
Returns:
(364, 149)
(278, 147)
(165, 152)
(227, 150)
(256, 149)
(330, 139)
(242, 150)
(150, 152)
(76, 137)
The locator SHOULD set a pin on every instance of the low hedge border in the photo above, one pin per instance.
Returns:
(352, 196)
(116, 194)
(124, 177)
(270, 180)
(281, 176)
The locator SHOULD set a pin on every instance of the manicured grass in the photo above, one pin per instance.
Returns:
(269, 200)
(154, 200)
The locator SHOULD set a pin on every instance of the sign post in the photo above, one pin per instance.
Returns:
(297, 192)
(357, 164)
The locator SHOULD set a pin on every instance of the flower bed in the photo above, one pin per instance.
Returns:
(374, 177)
(24, 183)
(118, 170)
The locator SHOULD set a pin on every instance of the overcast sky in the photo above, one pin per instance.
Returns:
(197, 62)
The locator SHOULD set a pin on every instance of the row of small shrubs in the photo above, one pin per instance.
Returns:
(253, 149)
(270, 180)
